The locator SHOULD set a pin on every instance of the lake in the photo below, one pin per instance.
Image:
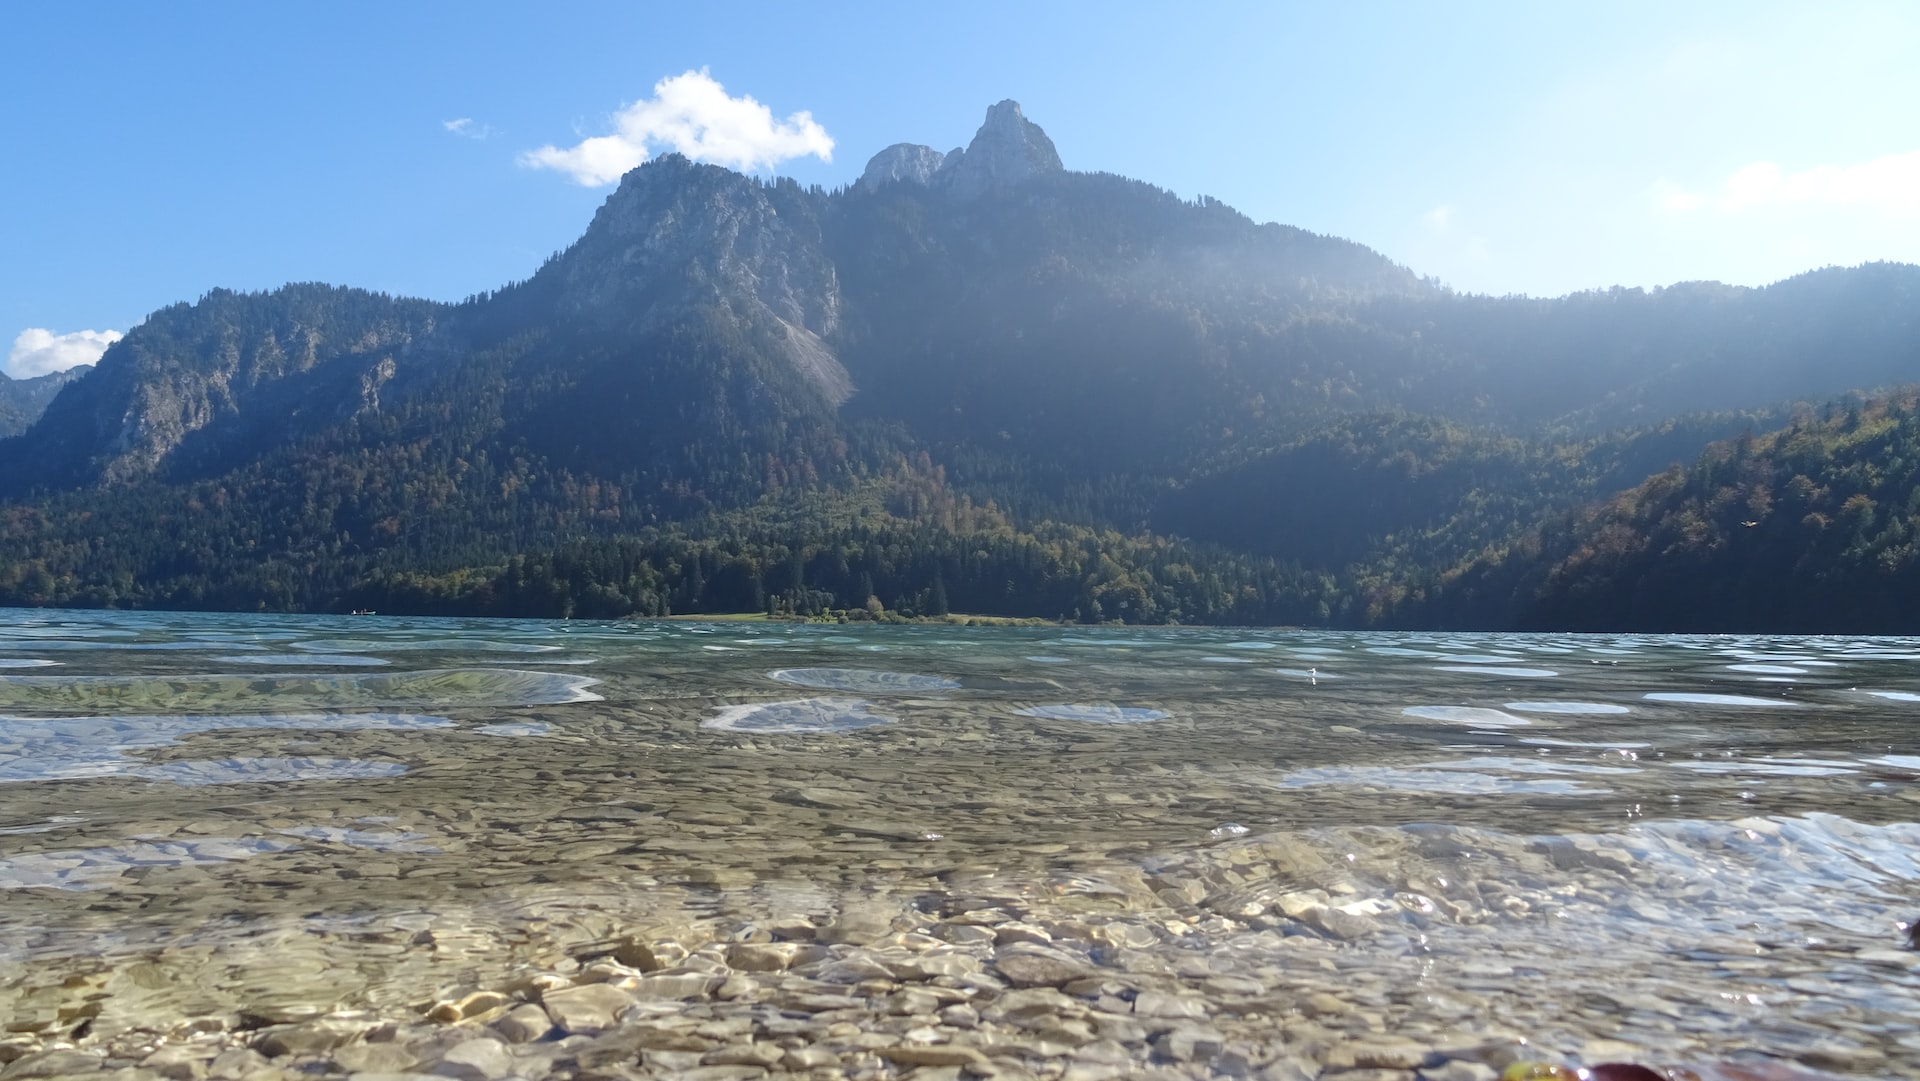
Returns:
(367, 845)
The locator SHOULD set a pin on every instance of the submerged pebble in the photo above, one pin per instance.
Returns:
(1003, 885)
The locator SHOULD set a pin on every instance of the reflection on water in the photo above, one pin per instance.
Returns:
(1476, 716)
(856, 679)
(1452, 778)
(295, 660)
(1715, 699)
(197, 692)
(98, 868)
(1519, 826)
(1492, 670)
(799, 715)
(69, 747)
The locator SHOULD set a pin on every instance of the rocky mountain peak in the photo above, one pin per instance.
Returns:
(678, 236)
(902, 161)
(1007, 150)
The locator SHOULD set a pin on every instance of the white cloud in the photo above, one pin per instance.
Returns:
(1440, 218)
(38, 352)
(691, 114)
(1890, 185)
(468, 128)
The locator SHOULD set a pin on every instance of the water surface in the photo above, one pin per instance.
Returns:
(1584, 835)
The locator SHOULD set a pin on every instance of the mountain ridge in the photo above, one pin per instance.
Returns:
(1079, 351)
(23, 400)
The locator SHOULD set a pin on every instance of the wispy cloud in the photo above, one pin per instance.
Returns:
(39, 352)
(468, 128)
(1890, 184)
(690, 114)
(1440, 218)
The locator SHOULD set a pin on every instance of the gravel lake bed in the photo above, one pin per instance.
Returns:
(242, 847)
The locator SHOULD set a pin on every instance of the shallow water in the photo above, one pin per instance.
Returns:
(1702, 845)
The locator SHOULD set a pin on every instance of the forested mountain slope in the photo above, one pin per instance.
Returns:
(1813, 527)
(1074, 355)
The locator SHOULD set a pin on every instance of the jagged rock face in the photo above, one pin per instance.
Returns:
(677, 234)
(902, 161)
(231, 356)
(1007, 150)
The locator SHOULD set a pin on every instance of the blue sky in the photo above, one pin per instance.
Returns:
(158, 151)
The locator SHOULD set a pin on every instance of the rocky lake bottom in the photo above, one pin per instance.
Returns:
(280, 847)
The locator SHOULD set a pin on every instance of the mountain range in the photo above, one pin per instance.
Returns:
(23, 400)
(972, 380)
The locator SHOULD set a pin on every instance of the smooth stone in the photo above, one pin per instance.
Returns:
(760, 956)
(375, 1058)
(735, 987)
(1232, 985)
(811, 1058)
(1322, 1003)
(1377, 1055)
(751, 1054)
(1009, 934)
(638, 956)
(1336, 923)
(236, 1062)
(959, 1015)
(858, 925)
(675, 987)
(937, 1054)
(1117, 1026)
(182, 1062)
(962, 934)
(1157, 1004)
(586, 1010)
(59, 1062)
(476, 1060)
(1106, 1051)
(912, 1003)
(667, 1039)
(1190, 1043)
(524, 1024)
(721, 1073)
(933, 966)
(469, 1007)
(670, 1063)
(312, 1038)
(1034, 969)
